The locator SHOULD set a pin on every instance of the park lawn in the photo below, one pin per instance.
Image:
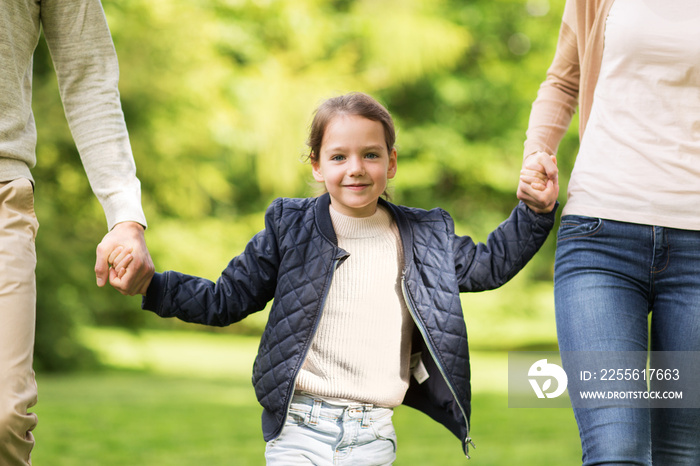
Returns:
(125, 419)
(154, 410)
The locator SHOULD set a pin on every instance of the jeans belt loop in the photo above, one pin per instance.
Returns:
(366, 416)
(315, 412)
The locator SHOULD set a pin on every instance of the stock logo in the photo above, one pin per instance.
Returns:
(546, 372)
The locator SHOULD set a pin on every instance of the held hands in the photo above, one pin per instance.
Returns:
(123, 260)
(119, 260)
(539, 182)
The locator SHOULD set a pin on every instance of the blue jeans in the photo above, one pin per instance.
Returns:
(317, 433)
(608, 277)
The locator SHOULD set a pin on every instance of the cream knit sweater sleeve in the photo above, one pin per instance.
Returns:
(87, 70)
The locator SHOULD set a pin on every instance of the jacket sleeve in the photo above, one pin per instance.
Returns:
(557, 98)
(485, 266)
(246, 285)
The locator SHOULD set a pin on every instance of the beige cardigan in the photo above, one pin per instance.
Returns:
(572, 77)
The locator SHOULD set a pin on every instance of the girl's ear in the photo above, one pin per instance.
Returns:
(316, 169)
(393, 164)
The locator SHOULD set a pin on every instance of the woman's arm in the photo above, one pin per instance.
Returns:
(557, 98)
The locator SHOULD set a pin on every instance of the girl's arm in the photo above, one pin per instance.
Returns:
(485, 266)
(246, 285)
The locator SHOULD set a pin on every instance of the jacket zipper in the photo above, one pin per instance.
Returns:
(409, 303)
(336, 262)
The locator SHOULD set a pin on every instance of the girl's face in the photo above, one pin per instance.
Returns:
(354, 164)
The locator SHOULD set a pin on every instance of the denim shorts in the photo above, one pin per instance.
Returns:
(319, 433)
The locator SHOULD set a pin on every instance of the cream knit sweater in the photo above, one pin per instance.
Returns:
(361, 350)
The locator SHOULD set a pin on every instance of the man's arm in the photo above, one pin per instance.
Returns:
(88, 74)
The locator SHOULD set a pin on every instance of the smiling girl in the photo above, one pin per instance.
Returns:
(366, 313)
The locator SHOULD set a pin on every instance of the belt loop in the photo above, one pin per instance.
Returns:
(315, 412)
(366, 416)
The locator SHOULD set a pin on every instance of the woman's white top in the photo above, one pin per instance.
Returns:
(639, 159)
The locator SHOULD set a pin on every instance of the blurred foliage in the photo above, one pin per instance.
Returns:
(218, 96)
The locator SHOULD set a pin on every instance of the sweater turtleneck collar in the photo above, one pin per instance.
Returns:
(376, 224)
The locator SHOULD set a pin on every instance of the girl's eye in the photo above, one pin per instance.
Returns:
(372, 155)
(337, 158)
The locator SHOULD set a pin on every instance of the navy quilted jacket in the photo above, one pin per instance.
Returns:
(293, 259)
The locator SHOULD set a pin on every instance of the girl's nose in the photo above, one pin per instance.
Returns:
(355, 166)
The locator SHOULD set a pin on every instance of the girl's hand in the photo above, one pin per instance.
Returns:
(119, 260)
(135, 280)
(539, 182)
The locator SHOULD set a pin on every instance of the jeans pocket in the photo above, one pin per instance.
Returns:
(383, 428)
(298, 415)
(577, 226)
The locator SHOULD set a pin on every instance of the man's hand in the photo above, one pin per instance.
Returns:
(136, 277)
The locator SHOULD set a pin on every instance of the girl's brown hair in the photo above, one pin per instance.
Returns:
(354, 103)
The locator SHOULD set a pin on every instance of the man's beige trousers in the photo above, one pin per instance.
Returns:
(18, 392)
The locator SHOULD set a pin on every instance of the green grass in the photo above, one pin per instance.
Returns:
(144, 419)
(178, 398)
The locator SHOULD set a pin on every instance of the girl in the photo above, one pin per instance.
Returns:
(366, 313)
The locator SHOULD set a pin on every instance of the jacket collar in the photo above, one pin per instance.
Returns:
(405, 229)
(323, 218)
(325, 225)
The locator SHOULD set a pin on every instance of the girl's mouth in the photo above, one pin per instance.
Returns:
(356, 187)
